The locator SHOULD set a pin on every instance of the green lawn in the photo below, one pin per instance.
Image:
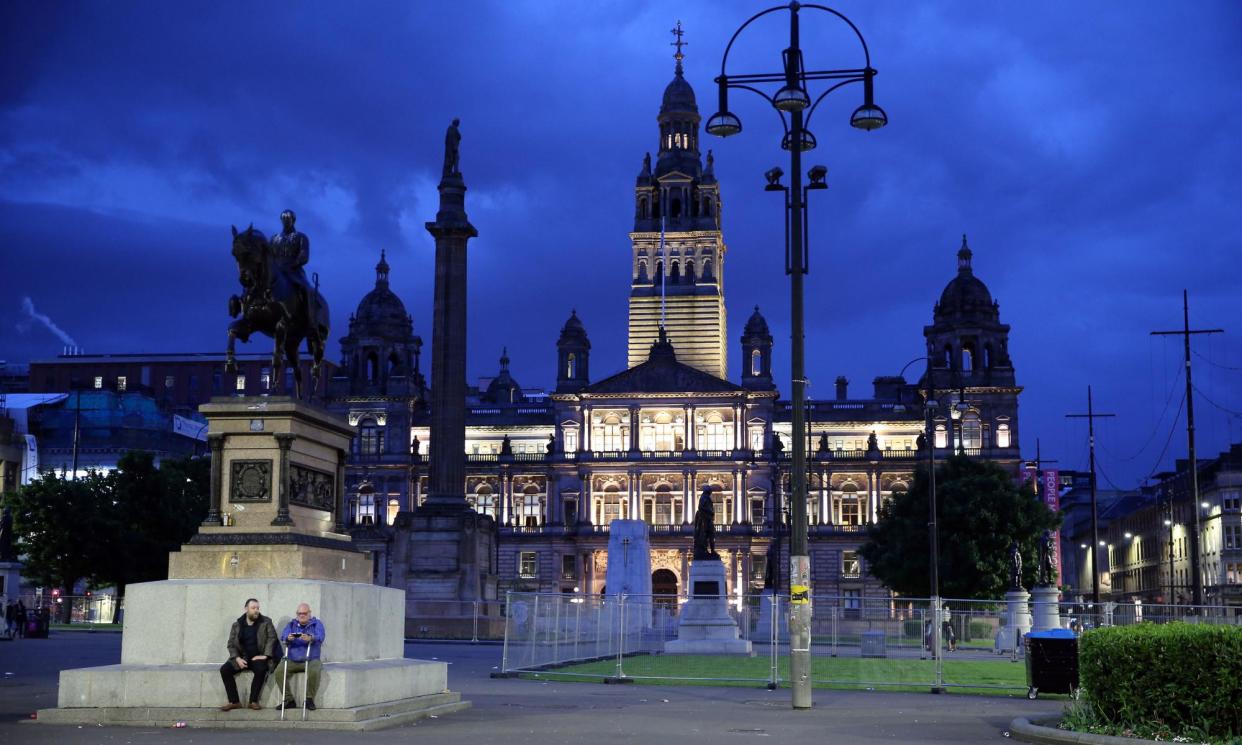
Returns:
(85, 627)
(999, 676)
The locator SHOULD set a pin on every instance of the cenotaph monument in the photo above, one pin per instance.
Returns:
(629, 573)
(443, 551)
(705, 626)
(273, 532)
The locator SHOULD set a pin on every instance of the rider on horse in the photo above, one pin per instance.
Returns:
(291, 250)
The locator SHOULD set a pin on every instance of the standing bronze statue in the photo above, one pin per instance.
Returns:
(452, 140)
(705, 527)
(1047, 560)
(278, 301)
(1015, 567)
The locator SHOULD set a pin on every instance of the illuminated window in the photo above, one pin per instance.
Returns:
(241, 383)
(98, 382)
(610, 506)
(756, 438)
(849, 506)
(851, 565)
(484, 501)
(169, 381)
(265, 379)
(756, 362)
(366, 505)
(968, 359)
(1002, 435)
(715, 433)
(370, 438)
(571, 366)
(528, 566)
(942, 436)
(972, 431)
(393, 508)
(610, 434)
(571, 440)
(120, 382)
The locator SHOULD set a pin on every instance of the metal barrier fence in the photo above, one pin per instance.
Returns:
(94, 608)
(855, 642)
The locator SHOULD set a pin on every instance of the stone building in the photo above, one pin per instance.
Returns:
(554, 468)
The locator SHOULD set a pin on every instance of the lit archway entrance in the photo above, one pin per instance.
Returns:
(664, 585)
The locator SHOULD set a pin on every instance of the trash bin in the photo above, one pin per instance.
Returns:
(1051, 662)
(873, 644)
(37, 623)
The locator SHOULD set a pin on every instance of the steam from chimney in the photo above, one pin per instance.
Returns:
(29, 309)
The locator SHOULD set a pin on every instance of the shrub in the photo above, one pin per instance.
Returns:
(1186, 677)
(981, 630)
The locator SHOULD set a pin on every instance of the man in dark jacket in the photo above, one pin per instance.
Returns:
(252, 643)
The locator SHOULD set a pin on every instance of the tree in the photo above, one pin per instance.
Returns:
(981, 512)
(157, 510)
(65, 529)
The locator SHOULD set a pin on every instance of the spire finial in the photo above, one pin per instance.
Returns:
(678, 32)
(963, 256)
(381, 269)
(504, 359)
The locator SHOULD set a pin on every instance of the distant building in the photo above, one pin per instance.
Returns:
(178, 381)
(14, 377)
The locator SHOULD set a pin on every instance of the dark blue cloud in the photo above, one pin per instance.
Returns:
(1089, 151)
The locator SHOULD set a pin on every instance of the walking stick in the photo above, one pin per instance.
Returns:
(306, 676)
(285, 682)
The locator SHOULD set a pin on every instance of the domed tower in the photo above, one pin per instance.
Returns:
(757, 354)
(677, 271)
(380, 355)
(573, 355)
(503, 389)
(971, 368)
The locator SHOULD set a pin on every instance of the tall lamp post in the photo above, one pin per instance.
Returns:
(792, 98)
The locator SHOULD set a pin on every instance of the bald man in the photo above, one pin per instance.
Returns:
(304, 635)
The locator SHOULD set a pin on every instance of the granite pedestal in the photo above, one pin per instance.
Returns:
(1017, 621)
(705, 626)
(1045, 604)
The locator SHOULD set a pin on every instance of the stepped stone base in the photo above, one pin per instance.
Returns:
(357, 719)
(705, 626)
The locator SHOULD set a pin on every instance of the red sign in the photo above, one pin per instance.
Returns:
(1050, 488)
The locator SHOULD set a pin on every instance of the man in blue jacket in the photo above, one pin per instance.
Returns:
(304, 636)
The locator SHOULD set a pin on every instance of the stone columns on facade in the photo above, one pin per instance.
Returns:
(555, 509)
(506, 504)
(692, 488)
(216, 443)
(686, 495)
(737, 496)
(586, 500)
(825, 513)
(687, 415)
(737, 427)
(585, 440)
(338, 494)
(284, 440)
(634, 429)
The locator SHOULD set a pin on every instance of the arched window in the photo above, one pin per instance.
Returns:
(849, 505)
(756, 362)
(968, 358)
(571, 366)
(675, 274)
(707, 206)
(987, 356)
(642, 208)
(659, 272)
(610, 434)
(948, 356)
(689, 272)
(394, 364)
(394, 506)
(611, 506)
(707, 270)
(972, 431)
(529, 506)
(1002, 435)
(674, 208)
(715, 433)
(942, 435)
(372, 367)
(365, 514)
(484, 500)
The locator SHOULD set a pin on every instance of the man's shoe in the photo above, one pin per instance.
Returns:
(287, 704)
(255, 705)
(310, 704)
(230, 706)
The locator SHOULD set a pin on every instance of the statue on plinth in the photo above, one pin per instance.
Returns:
(1015, 567)
(278, 301)
(705, 527)
(1047, 573)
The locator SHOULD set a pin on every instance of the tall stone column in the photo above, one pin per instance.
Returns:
(451, 230)
(216, 443)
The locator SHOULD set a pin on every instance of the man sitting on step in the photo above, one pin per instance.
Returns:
(304, 634)
(252, 643)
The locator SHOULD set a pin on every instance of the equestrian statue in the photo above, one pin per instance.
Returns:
(278, 301)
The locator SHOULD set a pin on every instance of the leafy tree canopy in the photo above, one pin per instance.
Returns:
(981, 512)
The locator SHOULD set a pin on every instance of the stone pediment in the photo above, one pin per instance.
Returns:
(662, 375)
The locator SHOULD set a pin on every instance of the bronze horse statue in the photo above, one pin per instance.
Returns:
(273, 303)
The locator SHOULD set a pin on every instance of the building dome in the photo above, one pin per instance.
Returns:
(679, 96)
(965, 294)
(381, 313)
(573, 327)
(503, 388)
(757, 325)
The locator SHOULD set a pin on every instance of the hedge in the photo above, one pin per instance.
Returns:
(1185, 676)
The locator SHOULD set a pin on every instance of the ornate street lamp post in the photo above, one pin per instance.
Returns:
(794, 100)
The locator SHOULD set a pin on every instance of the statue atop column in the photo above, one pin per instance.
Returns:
(705, 527)
(452, 141)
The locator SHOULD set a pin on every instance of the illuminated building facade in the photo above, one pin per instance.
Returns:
(554, 468)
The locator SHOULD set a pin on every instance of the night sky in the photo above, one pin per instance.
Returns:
(1089, 150)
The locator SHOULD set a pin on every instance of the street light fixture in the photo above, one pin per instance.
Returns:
(793, 99)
